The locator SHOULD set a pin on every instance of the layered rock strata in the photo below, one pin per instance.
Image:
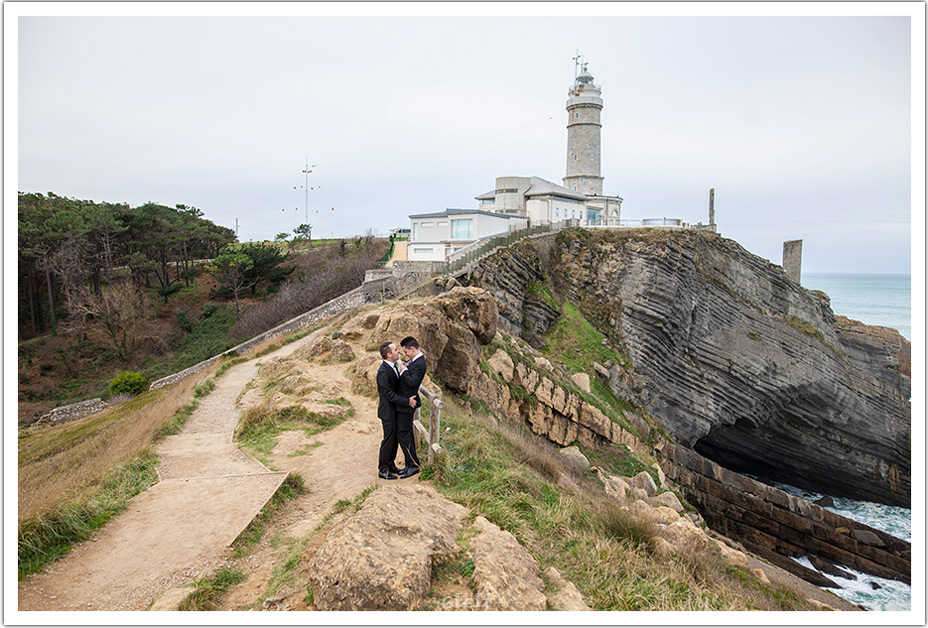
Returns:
(734, 358)
(774, 524)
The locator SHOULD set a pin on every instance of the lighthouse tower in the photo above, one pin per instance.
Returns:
(583, 133)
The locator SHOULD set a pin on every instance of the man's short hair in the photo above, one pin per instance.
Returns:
(409, 341)
(385, 348)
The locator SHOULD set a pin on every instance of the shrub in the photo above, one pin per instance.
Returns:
(128, 382)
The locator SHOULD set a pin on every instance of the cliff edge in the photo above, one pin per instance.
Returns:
(734, 358)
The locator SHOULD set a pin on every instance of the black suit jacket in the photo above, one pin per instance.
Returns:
(387, 384)
(410, 380)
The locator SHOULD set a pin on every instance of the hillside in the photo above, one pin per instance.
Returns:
(502, 520)
(195, 322)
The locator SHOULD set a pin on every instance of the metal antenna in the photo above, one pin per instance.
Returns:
(577, 64)
(306, 172)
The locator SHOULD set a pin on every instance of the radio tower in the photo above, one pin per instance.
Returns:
(306, 172)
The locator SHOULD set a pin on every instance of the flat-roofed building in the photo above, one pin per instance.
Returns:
(437, 235)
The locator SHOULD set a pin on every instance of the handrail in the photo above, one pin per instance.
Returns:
(432, 434)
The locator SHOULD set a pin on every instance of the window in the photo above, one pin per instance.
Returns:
(575, 156)
(557, 212)
(422, 250)
(442, 223)
(576, 115)
(415, 231)
(462, 228)
(427, 225)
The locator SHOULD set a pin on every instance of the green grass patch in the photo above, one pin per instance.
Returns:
(45, 539)
(208, 592)
(177, 422)
(291, 488)
(260, 426)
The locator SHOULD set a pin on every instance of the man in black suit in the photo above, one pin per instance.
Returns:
(411, 377)
(388, 379)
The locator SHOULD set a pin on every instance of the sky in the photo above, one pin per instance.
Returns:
(803, 125)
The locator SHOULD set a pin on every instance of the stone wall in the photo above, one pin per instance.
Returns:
(337, 305)
(770, 521)
(66, 414)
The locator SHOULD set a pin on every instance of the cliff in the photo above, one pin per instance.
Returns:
(732, 357)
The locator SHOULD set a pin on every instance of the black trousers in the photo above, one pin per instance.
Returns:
(406, 438)
(388, 445)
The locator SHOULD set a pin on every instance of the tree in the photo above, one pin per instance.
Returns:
(266, 260)
(230, 270)
(304, 232)
(119, 310)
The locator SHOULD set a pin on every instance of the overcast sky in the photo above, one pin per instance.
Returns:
(801, 124)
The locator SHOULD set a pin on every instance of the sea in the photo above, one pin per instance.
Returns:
(883, 300)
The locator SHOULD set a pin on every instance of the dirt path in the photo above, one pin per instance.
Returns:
(210, 490)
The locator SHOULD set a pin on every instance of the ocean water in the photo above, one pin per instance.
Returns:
(884, 300)
(891, 594)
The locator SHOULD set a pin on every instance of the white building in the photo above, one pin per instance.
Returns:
(437, 235)
(517, 202)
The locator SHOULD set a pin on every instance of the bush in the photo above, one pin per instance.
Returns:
(128, 382)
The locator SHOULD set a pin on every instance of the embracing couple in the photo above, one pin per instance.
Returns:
(398, 389)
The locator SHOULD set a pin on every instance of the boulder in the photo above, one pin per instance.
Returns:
(582, 380)
(459, 361)
(732, 556)
(475, 308)
(568, 597)
(381, 558)
(645, 482)
(758, 573)
(665, 515)
(685, 537)
(341, 351)
(543, 363)
(574, 454)
(601, 371)
(364, 381)
(502, 364)
(668, 499)
(505, 573)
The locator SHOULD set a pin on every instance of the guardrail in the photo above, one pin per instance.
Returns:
(430, 436)
(482, 248)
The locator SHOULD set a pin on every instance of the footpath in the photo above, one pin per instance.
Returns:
(179, 529)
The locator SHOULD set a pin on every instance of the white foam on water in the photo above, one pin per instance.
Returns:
(891, 596)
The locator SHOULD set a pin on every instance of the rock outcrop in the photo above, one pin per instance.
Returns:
(734, 358)
(381, 559)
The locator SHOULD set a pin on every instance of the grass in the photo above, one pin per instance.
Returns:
(47, 538)
(249, 538)
(260, 426)
(209, 591)
(510, 477)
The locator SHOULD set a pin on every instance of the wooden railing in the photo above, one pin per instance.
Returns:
(430, 436)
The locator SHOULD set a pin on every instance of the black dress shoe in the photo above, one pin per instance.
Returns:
(408, 472)
(386, 476)
(395, 469)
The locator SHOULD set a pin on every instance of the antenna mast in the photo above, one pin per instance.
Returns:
(306, 172)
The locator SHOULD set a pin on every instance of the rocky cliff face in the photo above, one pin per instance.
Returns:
(731, 356)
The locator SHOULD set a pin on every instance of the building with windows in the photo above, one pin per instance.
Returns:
(437, 235)
(533, 200)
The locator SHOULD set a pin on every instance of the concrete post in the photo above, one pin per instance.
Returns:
(792, 259)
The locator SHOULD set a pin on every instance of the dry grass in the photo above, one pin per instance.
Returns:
(67, 463)
(560, 514)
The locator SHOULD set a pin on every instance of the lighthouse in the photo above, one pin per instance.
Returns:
(584, 130)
